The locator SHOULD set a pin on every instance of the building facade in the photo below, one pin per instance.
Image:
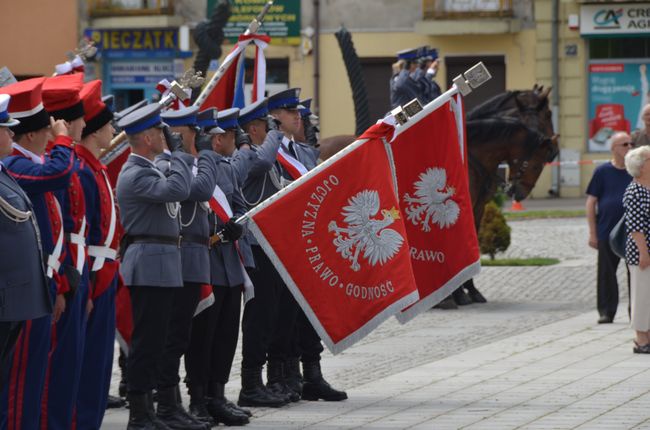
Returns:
(595, 54)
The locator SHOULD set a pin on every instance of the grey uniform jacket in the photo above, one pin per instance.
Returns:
(147, 200)
(307, 155)
(403, 89)
(225, 265)
(241, 162)
(258, 185)
(428, 88)
(23, 287)
(194, 214)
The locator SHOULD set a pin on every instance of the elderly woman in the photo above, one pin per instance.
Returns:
(637, 255)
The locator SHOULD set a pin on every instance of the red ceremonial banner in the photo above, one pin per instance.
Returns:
(430, 160)
(338, 240)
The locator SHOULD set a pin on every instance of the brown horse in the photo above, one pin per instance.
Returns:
(514, 127)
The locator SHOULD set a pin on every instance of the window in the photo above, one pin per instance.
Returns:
(619, 47)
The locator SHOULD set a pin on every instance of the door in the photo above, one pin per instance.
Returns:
(495, 64)
(377, 73)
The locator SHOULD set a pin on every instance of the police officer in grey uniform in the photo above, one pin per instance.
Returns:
(151, 258)
(23, 285)
(301, 343)
(265, 177)
(216, 329)
(425, 74)
(194, 256)
(403, 86)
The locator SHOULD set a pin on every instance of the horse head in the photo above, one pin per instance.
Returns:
(520, 124)
(526, 160)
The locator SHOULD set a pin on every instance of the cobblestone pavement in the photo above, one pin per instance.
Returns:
(520, 299)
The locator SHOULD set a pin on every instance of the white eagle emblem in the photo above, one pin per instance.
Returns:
(363, 234)
(433, 200)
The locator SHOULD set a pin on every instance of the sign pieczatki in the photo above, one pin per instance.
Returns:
(617, 94)
(281, 23)
(135, 43)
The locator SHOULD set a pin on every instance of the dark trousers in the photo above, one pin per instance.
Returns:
(9, 332)
(213, 341)
(607, 284)
(178, 335)
(284, 341)
(309, 344)
(294, 335)
(261, 312)
(152, 312)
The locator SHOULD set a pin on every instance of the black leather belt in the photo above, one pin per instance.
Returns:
(154, 238)
(196, 238)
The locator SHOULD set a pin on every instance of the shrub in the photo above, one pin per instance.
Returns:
(494, 232)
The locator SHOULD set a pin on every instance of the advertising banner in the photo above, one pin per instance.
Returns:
(617, 94)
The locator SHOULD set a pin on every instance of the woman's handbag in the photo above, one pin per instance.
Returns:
(617, 238)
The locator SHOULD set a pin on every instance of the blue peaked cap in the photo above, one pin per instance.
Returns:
(228, 118)
(287, 99)
(141, 119)
(257, 110)
(180, 117)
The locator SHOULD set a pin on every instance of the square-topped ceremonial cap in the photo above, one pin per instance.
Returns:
(306, 107)
(257, 110)
(26, 105)
(109, 101)
(287, 99)
(208, 121)
(124, 112)
(61, 96)
(179, 117)
(96, 113)
(227, 118)
(5, 119)
(141, 119)
(408, 54)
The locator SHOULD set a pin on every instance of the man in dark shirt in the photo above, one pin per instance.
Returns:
(604, 210)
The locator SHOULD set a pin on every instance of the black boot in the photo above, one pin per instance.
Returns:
(316, 387)
(447, 304)
(473, 293)
(121, 361)
(172, 414)
(220, 411)
(186, 414)
(292, 375)
(141, 413)
(254, 393)
(275, 381)
(460, 297)
(113, 402)
(217, 391)
(198, 405)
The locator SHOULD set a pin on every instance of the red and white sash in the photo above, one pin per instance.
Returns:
(79, 241)
(53, 260)
(291, 164)
(101, 253)
(220, 206)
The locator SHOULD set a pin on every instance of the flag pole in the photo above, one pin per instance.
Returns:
(252, 29)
